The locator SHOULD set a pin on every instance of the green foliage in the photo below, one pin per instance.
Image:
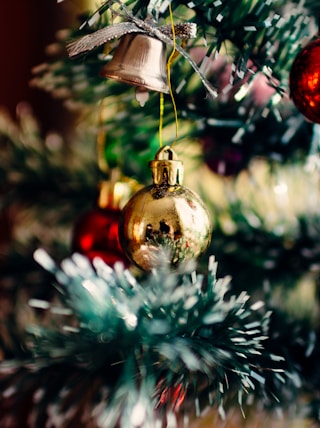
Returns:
(115, 348)
(142, 338)
(239, 45)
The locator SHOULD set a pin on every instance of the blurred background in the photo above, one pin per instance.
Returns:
(250, 154)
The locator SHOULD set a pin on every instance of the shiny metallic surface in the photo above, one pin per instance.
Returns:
(166, 168)
(164, 219)
(139, 60)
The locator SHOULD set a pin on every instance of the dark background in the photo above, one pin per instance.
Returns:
(26, 28)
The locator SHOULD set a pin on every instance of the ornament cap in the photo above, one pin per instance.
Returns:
(166, 168)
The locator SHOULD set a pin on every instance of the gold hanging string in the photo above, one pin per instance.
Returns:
(161, 109)
(169, 62)
(169, 73)
(102, 162)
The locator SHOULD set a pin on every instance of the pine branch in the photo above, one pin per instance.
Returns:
(253, 52)
(144, 339)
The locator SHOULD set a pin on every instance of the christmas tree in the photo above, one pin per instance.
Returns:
(160, 253)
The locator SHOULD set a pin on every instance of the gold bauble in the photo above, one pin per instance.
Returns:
(164, 216)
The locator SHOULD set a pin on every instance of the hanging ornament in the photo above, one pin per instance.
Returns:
(134, 25)
(164, 216)
(305, 81)
(140, 60)
(95, 234)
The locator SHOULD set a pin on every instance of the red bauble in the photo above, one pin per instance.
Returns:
(305, 81)
(96, 235)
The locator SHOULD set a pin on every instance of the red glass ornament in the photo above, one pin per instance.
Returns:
(96, 235)
(304, 81)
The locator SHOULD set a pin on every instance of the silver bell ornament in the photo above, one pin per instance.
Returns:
(140, 61)
(164, 218)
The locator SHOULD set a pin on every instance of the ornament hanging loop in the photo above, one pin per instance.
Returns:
(166, 168)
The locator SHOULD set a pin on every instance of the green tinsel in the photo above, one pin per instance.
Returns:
(117, 349)
(171, 334)
(244, 41)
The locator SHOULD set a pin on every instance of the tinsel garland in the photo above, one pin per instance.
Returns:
(256, 47)
(25, 147)
(147, 345)
(266, 220)
(260, 33)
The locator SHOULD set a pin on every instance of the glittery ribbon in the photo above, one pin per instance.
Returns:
(90, 41)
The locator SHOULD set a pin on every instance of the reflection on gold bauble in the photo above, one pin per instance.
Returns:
(164, 216)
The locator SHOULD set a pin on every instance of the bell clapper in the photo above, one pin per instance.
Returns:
(142, 95)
